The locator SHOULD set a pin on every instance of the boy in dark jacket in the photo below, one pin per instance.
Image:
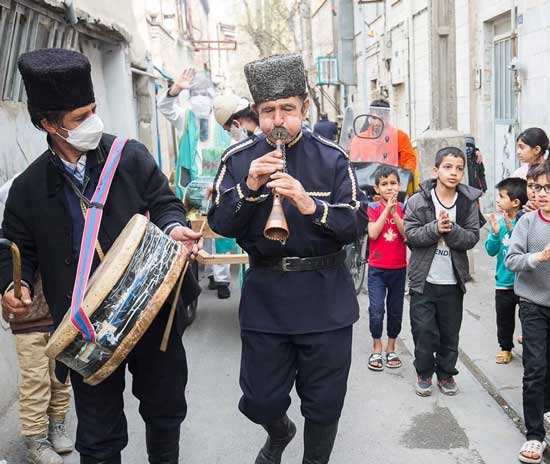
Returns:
(442, 223)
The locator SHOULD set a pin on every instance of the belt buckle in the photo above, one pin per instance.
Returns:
(286, 263)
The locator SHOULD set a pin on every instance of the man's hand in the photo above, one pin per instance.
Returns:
(544, 256)
(183, 82)
(291, 188)
(444, 223)
(191, 240)
(12, 307)
(494, 223)
(261, 168)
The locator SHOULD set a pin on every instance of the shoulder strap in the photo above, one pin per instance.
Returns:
(94, 214)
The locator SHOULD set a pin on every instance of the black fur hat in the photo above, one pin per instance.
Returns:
(275, 77)
(56, 79)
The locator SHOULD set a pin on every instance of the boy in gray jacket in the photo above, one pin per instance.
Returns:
(529, 257)
(442, 222)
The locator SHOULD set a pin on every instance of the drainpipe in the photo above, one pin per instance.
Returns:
(364, 57)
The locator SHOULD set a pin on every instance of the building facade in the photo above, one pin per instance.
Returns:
(501, 82)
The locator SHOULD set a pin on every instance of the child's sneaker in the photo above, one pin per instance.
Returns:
(447, 386)
(504, 357)
(424, 386)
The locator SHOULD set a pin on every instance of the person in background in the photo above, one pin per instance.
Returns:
(531, 204)
(529, 257)
(442, 223)
(532, 146)
(387, 266)
(326, 128)
(236, 116)
(43, 400)
(406, 156)
(201, 144)
(512, 195)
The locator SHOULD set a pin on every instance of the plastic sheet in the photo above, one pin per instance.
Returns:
(125, 303)
(195, 194)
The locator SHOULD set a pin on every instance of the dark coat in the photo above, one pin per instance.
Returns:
(422, 234)
(37, 218)
(292, 302)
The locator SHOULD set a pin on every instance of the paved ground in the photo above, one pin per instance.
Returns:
(383, 419)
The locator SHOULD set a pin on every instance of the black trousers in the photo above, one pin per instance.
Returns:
(158, 382)
(436, 317)
(535, 324)
(505, 304)
(318, 363)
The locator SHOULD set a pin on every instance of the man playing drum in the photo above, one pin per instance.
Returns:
(298, 302)
(44, 217)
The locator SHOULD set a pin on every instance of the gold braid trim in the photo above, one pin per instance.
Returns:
(325, 213)
(219, 183)
(255, 199)
(240, 192)
(353, 188)
(319, 194)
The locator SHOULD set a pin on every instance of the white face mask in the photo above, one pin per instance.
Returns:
(87, 135)
(237, 133)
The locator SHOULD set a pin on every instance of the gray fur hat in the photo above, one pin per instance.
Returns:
(275, 77)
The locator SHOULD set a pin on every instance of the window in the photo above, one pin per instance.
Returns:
(505, 102)
(23, 29)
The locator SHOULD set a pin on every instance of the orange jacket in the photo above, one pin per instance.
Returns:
(405, 152)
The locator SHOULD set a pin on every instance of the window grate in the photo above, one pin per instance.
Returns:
(505, 104)
(23, 28)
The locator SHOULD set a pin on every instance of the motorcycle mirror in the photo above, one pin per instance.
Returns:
(368, 126)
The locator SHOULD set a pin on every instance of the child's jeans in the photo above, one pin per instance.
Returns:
(436, 317)
(386, 291)
(505, 304)
(41, 395)
(535, 323)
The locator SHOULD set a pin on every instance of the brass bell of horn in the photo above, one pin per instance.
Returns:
(276, 227)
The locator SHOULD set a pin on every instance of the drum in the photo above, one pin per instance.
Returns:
(124, 295)
(195, 194)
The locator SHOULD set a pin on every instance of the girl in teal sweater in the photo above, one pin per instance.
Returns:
(512, 195)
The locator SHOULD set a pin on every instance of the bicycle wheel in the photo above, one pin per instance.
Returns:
(357, 262)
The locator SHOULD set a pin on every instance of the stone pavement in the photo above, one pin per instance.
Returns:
(383, 419)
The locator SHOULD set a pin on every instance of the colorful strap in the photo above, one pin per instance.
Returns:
(92, 223)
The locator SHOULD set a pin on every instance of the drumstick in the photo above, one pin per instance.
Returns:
(170, 322)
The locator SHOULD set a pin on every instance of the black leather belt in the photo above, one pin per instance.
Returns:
(297, 264)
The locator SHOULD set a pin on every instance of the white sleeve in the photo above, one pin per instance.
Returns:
(171, 110)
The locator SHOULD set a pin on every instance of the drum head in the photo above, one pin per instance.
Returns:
(107, 274)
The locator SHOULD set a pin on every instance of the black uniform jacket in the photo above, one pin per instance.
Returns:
(292, 302)
(37, 218)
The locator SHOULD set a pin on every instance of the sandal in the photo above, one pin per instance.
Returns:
(532, 448)
(393, 361)
(504, 357)
(375, 362)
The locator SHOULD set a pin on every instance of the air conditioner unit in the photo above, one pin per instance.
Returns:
(327, 70)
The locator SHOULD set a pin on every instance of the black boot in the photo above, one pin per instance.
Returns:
(89, 460)
(318, 442)
(280, 434)
(163, 446)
